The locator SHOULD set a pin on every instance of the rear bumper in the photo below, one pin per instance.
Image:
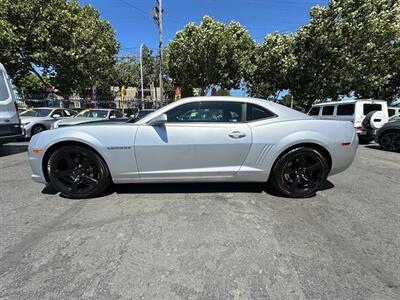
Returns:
(10, 133)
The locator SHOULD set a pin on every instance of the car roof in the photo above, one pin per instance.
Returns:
(347, 102)
(279, 109)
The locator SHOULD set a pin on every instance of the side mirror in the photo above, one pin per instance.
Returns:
(160, 120)
(113, 117)
(56, 116)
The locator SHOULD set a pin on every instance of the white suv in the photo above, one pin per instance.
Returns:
(366, 115)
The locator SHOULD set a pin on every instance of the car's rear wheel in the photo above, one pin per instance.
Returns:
(78, 172)
(300, 172)
(390, 141)
(37, 129)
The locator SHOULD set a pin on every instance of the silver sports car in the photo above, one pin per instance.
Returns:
(202, 139)
(35, 120)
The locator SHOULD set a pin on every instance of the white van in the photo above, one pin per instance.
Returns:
(366, 115)
(10, 124)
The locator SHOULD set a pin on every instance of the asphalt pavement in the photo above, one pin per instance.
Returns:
(202, 241)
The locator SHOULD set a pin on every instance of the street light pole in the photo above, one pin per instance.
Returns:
(141, 72)
(158, 17)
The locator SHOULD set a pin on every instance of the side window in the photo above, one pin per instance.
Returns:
(314, 111)
(391, 112)
(113, 114)
(119, 114)
(345, 110)
(328, 110)
(256, 112)
(58, 112)
(371, 107)
(207, 111)
(67, 113)
(4, 94)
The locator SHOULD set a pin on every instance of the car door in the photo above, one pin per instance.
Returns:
(200, 140)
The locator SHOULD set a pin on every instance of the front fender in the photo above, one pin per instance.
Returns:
(114, 144)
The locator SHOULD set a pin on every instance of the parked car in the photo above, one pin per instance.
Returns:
(91, 115)
(366, 115)
(36, 120)
(201, 139)
(388, 136)
(393, 111)
(10, 124)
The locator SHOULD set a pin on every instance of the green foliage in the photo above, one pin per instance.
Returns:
(350, 46)
(210, 54)
(273, 64)
(63, 40)
(30, 86)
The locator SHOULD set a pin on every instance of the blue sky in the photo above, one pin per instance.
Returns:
(134, 25)
(260, 17)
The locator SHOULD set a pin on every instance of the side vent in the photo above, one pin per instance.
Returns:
(263, 154)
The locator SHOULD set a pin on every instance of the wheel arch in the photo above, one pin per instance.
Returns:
(60, 144)
(313, 145)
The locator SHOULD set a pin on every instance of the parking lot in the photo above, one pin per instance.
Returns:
(203, 241)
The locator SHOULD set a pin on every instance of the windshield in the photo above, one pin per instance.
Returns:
(36, 113)
(92, 114)
(144, 113)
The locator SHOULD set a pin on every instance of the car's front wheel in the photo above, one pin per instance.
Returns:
(37, 129)
(390, 141)
(78, 172)
(300, 172)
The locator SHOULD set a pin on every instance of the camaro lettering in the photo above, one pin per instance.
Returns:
(119, 148)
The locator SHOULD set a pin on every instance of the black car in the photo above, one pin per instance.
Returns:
(388, 136)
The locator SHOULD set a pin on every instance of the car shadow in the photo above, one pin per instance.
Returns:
(375, 147)
(10, 149)
(199, 188)
(189, 188)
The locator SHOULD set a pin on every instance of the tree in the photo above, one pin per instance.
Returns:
(349, 47)
(30, 86)
(210, 54)
(273, 64)
(56, 38)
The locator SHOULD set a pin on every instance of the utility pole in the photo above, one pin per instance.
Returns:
(158, 17)
(141, 73)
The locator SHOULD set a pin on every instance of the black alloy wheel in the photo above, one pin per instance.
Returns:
(390, 141)
(37, 129)
(78, 172)
(300, 172)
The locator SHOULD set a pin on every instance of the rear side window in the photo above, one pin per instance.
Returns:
(255, 112)
(328, 110)
(314, 111)
(391, 112)
(4, 95)
(345, 110)
(371, 107)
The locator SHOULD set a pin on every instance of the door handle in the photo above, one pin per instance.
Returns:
(236, 135)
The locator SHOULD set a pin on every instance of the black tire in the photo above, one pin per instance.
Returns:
(300, 172)
(78, 172)
(363, 140)
(37, 129)
(390, 140)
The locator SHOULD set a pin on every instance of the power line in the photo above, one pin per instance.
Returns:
(134, 7)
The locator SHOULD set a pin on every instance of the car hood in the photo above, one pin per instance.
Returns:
(32, 119)
(73, 121)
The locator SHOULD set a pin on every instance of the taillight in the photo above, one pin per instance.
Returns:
(16, 108)
(345, 144)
